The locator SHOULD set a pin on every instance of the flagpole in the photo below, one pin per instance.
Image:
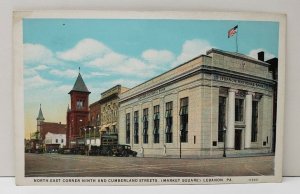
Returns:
(236, 41)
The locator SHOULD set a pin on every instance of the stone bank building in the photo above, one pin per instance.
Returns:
(193, 109)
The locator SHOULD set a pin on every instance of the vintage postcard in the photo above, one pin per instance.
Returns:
(127, 98)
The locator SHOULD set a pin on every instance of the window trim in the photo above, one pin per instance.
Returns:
(184, 119)
(127, 122)
(220, 127)
(145, 125)
(254, 133)
(156, 123)
(242, 120)
(136, 127)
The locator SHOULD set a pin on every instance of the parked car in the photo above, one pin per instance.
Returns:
(95, 151)
(64, 151)
(61, 150)
(124, 151)
(78, 150)
(39, 151)
(107, 150)
(53, 150)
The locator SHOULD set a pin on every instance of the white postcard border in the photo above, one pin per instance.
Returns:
(19, 94)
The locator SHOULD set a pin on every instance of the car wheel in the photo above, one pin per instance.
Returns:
(109, 153)
(124, 153)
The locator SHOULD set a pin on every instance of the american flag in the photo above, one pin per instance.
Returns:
(232, 31)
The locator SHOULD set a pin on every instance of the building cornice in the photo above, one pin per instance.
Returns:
(207, 69)
(238, 56)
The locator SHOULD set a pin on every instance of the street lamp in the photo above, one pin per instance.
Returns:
(84, 136)
(95, 135)
(224, 137)
(89, 148)
(180, 135)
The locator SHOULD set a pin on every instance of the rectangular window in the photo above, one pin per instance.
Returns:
(136, 127)
(239, 109)
(169, 122)
(56, 140)
(145, 126)
(79, 104)
(184, 117)
(62, 140)
(156, 124)
(222, 118)
(254, 121)
(128, 128)
(98, 120)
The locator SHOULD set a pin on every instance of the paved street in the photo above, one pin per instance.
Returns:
(56, 165)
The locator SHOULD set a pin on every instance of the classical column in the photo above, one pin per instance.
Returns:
(231, 119)
(248, 120)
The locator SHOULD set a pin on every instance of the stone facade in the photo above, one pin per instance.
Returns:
(221, 91)
(109, 104)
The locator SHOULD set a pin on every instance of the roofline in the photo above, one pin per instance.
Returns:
(94, 103)
(78, 91)
(110, 97)
(118, 85)
(55, 133)
(204, 69)
(55, 123)
(232, 54)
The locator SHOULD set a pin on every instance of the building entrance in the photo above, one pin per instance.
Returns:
(238, 139)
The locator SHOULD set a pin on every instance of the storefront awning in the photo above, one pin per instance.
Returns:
(103, 127)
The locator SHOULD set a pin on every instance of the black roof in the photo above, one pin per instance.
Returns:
(79, 85)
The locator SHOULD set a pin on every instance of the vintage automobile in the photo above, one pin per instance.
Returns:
(95, 151)
(112, 150)
(78, 150)
(64, 151)
(103, 150)
(124, 151)
(39, 151)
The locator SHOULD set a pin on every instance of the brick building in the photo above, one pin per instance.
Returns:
(38, 139)
(78, 114)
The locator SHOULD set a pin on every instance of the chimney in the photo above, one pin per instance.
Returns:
(261, 56)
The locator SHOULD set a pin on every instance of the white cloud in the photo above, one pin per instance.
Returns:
(95, 54)
(64, 73)
(85, 49)
(36, 81)
(253, 53)
(158, 56)
(191, 49)
(120, 64)
(126, 82)
(38, 54)
(63, 88)
(29, 72)
(126, 66)
(41, 67)
(109, 59)
(96, 74)
(133, 66)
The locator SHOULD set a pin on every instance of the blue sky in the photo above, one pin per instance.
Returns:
(125, 52)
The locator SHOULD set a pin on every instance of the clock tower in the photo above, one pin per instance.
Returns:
(78, 114)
